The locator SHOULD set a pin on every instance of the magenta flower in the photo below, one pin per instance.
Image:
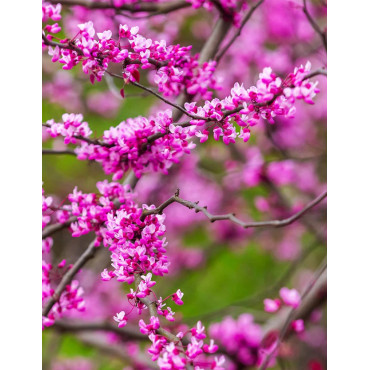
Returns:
(176, 297)
(290, 297)
(298, 326)
(272, 305)
(211, 347)
(120, 318)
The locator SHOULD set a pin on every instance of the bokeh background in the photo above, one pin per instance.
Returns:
(222, 269)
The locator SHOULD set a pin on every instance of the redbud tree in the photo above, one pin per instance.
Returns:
(184, 184)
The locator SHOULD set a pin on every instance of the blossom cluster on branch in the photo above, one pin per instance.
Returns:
(176, 69)
(271, 97)
(137, 250)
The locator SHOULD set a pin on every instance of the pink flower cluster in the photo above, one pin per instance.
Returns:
(126, 146)
(46, 209)
(270, 97)
(176, 69)
(51, 12)
(93, 210)
(71, 128)
(171, 355)
(136, 246)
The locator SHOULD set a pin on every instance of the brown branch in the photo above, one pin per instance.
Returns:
(315, 26)
(179, 107)
(56, 152)
(320, 71)
(231, 217)
(69, 275)
(140, 359)
(69, 45)
(150, 91)
(127, 332)
(237, 34)
(51, 229)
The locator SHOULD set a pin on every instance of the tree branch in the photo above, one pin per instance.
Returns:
(127, 332)
(231, 217)
(51, 229)
(56, 152)
(117, 351)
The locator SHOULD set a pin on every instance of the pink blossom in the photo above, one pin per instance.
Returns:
(152, 326)
(198, 331)
(211, 347)
(176, 297)
(298, 326)
(120, 318)
(290, 297)
(272, 305)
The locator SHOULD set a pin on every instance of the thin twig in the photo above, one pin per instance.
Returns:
(147, 89)
(69, 275)
(76, 326)
(56, 152)
(315, 26)
(231, 217)
(138, 361)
